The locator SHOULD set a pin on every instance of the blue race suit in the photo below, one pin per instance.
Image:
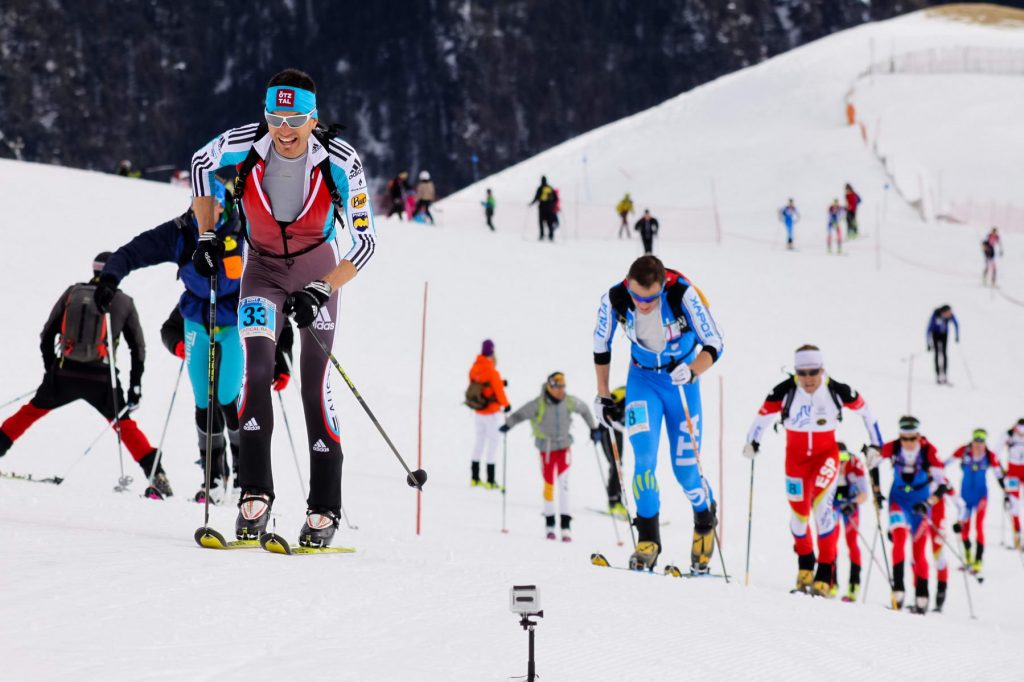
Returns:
(651, 397)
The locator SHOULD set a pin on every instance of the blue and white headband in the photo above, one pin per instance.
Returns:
(290, 98)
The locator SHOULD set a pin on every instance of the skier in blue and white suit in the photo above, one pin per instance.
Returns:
(674, 340)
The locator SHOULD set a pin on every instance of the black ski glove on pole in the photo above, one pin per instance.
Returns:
(207, 255)
(304, 304)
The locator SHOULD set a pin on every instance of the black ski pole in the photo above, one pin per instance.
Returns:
(504, 479)
(17, 398)
(750, 523)
(622, 487)
(415, 479)
(291, 442)
(206, 536)
(604, 482)
(700, 470)
(124, 481)
(167, 421)
(881, 537)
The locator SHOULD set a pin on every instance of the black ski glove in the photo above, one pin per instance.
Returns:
(134, 397)
(846, 508)
(921, 508)
(957, 527)
(595, 435)
(504, 428)
(304, 304)
(879, 498)
(206, 257)
(106, 289)
(608, 413)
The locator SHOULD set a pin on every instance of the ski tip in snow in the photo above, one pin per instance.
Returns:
(598, 559)
(272, 542)
(210, 539)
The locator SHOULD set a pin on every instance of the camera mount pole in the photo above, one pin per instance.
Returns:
(529, 626)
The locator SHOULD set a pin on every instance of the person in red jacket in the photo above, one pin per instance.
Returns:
(484, 377)
(809, 407)
(852, 202)
(919, 483)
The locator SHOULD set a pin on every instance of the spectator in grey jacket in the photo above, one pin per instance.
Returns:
(550, 416)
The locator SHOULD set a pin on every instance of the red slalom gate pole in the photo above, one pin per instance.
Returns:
(419, 411)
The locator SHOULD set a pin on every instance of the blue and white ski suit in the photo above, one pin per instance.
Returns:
(651, 397)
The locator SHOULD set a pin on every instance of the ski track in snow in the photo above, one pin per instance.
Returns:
(101, 586)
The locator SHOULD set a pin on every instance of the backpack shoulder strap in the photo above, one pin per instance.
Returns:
(787, 402)
(837, 399)
(324, 135)
(621, 301)
(247, 165)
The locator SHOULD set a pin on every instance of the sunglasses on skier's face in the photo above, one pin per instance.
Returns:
(808, 372)
(643, 299)
(293, 121)
(909, 439)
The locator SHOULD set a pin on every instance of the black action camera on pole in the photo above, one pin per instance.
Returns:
(525, 600)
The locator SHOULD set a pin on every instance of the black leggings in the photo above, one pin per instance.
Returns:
(939, 346)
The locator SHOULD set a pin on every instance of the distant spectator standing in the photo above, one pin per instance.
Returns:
(937, 335)
(835, 214)
(789, 217)
(425, 196)
(647, 226)
(125, 169)
(852, 202)
(624, 208)
(489, 203)
(547, 208)
(397, 187)
(989, 248)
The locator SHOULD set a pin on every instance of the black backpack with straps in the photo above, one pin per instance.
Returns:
(324, 134)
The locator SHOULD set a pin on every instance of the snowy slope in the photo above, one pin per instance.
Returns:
(107, 586)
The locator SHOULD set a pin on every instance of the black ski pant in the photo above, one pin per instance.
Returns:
(423, 205)
(397, 207)
(939, 346)
(265, 284)
(489, 213)
(549, 219)
(648, 241)
(614, 489)
(851, 222)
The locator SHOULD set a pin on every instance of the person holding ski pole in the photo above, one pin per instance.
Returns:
(298, 185)
(1014, 444)
(80, 368)
(810, 407)
(919, 482)
(486, 397)
(550, 416)
(614, 489)
(937, 337)
(975, 462)
(851, 491)
(674, 340)
(173, 242)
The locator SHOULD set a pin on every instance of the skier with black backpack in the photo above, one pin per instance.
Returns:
(810, 407)
(79, 369)
(298, 186)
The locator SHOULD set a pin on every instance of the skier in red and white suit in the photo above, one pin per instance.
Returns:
(810, 417)
(1015, 475)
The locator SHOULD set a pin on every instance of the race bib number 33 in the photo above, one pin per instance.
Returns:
(257, 316)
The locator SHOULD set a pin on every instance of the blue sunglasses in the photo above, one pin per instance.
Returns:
(643, 299)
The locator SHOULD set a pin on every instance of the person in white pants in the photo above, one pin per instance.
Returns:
(487, 396)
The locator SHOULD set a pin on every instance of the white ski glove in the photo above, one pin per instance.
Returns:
(872, 456)
(682, 375)
(750, 450)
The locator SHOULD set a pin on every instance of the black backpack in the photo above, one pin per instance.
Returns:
(83, 329)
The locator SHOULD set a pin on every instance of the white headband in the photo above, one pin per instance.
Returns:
(808, 359)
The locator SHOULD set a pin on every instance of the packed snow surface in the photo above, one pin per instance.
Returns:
(101, 585)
